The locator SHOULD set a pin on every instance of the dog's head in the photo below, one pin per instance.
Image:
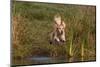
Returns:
(57, 19)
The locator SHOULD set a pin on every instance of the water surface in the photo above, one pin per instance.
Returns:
(46, 60)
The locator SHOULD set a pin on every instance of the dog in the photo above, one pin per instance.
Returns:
(58, 34)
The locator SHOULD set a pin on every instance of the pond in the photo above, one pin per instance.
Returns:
(49, 60)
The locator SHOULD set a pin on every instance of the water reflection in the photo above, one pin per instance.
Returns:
(46, 60)
(71, 59)
(82, 58)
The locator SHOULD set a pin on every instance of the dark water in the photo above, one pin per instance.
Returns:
(47, 60)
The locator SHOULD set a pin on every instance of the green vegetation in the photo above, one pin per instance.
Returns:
(32, 23)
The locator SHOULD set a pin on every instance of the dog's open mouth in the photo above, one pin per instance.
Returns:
(59, 31)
